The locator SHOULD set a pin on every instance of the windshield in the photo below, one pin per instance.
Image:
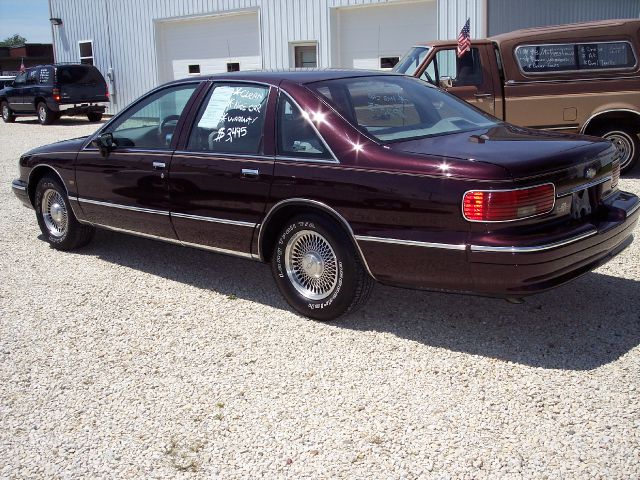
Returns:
(393, 108)
(411, 61)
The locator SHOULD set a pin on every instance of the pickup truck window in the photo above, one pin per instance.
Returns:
(464, 71)
(411, 61)
(572, 57)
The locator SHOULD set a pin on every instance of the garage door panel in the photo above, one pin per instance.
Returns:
(209, 42)
(367, 33)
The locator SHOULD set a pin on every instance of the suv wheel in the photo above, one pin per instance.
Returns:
(94, 116)
(46, 116)
(57, 222)
(317, 269)
(7, 114)
(627, 142)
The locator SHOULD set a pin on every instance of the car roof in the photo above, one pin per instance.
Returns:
(301, 75)
(582, 30)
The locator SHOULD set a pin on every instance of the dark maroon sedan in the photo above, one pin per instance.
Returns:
(339, 178)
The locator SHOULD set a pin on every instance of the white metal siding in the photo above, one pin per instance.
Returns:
(123, 31)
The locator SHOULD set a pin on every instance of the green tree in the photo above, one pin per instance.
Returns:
(14, 40)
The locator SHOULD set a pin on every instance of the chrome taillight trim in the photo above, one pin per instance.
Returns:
(553, 205)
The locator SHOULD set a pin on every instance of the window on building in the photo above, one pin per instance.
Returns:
(305, 56)
(570, 57)
(231, 120)
(86, 52)
(194, 69)
(387, 63)
(296, 135)
(233, 67)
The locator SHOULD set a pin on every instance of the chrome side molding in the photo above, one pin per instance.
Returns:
(412, 243)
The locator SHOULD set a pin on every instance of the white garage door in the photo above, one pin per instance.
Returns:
(371, 34)
(208, 45)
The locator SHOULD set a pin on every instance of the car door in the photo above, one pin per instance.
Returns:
(125, 188)
(470, 76)
(14, 94)
(220, 178)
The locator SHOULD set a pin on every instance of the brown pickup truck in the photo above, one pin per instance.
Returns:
(577, 78)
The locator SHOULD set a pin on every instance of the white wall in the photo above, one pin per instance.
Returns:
(123, 31)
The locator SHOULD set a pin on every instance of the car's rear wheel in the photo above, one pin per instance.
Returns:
(628, 144)
(57, 222)
(317, 269)
(7, 113)
(46, 116)
(94, 116)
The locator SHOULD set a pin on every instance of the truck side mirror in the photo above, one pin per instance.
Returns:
(445, 82)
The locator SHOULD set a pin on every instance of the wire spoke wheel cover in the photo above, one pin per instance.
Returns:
(311, 265)
(54, 213)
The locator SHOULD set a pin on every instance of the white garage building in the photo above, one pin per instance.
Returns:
(138, 44)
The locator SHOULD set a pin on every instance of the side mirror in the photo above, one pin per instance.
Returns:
(445, 82)
(104, 141)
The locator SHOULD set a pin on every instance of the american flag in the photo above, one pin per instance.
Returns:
(464, 40)
(22, 69)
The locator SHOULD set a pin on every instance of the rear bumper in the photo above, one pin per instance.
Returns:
(80, 108)
(488, 264)
(526, 269)
(20, 191)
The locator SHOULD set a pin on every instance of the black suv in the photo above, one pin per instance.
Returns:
(50, 91)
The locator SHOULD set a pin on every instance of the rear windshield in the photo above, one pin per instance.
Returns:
(396, 108)
(79, 74)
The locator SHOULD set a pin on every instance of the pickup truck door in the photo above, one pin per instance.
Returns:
(470, 75)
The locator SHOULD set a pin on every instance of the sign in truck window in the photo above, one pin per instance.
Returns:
(571, 57)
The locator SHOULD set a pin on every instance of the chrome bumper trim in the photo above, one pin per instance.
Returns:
(633, 209)
(584, 186)
(19, 187)
(213, 219)
(533, 248)
(412, 243)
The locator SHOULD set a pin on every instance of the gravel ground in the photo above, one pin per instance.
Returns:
(138, 359)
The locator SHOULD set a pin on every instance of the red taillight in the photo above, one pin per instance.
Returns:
(615, 175)
(56, 94)
(107, 94)
(507, 205)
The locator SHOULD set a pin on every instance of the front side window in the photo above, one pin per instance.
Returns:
(571, 57)
(231, 120)
(151, 123)
(394, 108)
(464, 71)
(411, 61)
(296, 136)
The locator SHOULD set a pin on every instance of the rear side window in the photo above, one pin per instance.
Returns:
(571, 57)
(45, 76)
(79, 74)
(296, 135)
(231, 120)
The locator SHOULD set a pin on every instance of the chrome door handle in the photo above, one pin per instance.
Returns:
(482, 95)
(250, 173)
(159, 165)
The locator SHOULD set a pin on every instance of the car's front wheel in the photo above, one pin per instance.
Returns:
(46, 116)
(94, 116)
(317, 269)
(628, 144)
(7, 113)
(57, 222)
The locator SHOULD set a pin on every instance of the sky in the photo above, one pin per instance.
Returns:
(29, 18)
